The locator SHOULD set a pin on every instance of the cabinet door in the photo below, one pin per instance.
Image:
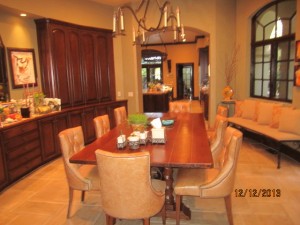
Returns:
(75, 73)
(49, 129)
(3, 170)
(62, 83)
(47, 138)
(88, 125)
(104, 55)
(91, 80)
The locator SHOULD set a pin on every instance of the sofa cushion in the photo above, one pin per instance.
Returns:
(249, 109)
(276, 112)
(265, 112)
(238, 108)
(264, 129)
(290, 120)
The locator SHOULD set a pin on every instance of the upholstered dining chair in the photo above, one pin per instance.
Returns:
(120, 115)
(180, 106)
(222, 113)
(215, 182)
(222, 110)
(216, 140)
(102, 125)
(79, 177)
(127, 191)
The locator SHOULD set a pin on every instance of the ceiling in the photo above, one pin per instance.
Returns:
(152, 38)
(114, 2)
(158, 38)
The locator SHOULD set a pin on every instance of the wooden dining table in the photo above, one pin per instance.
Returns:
(186, 146)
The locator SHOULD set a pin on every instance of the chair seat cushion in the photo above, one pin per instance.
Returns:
(90, 172)
(189, 181)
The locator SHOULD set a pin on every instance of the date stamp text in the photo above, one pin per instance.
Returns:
(262, 192)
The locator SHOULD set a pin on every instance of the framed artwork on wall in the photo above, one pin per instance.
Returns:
(297, 76)
(22, 67)
(297, 56)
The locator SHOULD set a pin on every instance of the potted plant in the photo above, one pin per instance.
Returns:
(138, 121)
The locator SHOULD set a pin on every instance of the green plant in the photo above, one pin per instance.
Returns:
(138, 118)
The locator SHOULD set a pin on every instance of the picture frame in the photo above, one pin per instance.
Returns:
(297, 76)
(22, 67)
(297, 54)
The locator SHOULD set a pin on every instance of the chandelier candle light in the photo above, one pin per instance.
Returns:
(166, 16)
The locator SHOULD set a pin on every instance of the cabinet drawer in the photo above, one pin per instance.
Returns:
(21, 140)
(25, 168)
(23, 159)
(13, 132)
(21, 150)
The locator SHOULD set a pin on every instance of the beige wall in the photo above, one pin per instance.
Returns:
(187, 53)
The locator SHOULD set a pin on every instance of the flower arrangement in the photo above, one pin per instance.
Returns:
(230, 66)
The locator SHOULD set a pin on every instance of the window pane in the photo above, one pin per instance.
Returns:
(281, 90)
(258, 54)
(293, 26)
(291, 71)
(144, 78)
(266, 71)
(259, 32)
(282, 70)
(283, 51)
(267, 16)
(290, 92)
(267, 53)
(286, 9)
(258, 71)
(266, 91)
(270, 31)
(157, 74)
(285, 27)
(257, 89)
(292, 50)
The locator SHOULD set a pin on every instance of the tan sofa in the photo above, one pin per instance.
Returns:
(277, 123)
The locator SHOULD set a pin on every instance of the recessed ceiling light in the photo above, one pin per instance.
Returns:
(23, 14)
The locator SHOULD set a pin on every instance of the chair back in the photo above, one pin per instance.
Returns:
(180, 106)
(72, 141)
(217, 138)
(102, 125)
(120, 115)
(222, 111)
(223, 184)
(125, 185)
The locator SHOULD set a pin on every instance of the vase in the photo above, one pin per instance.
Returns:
(227, 93)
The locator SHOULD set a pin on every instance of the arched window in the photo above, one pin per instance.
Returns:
(273, 51)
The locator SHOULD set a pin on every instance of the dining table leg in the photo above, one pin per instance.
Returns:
(185, 212)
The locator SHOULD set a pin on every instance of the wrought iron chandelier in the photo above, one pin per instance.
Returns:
(168, 20)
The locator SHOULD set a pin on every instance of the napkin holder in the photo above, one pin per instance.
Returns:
(159, 135)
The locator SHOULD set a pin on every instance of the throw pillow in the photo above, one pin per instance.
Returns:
(238, 108)
(265, 113)
(290, 121)
(249, 109)
(276, 112)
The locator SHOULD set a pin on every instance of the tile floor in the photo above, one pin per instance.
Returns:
(41, 198)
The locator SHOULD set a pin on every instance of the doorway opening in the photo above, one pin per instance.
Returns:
(185, 81)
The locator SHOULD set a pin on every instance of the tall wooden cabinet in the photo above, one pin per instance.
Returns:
(76, 62)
